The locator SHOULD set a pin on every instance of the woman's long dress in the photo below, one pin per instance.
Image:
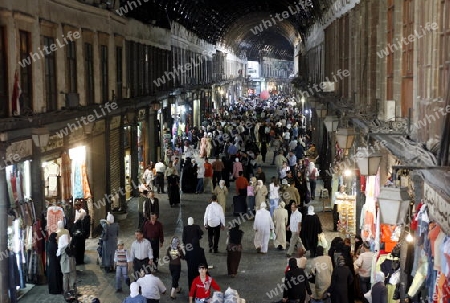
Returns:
(194, 257)
(173, 183)
(54, 274)
(110, 236)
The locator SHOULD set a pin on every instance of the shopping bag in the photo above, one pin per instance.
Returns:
(273, 236)
(323, 241)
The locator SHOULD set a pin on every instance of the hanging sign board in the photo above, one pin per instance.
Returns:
(438, 207)
(18, 151)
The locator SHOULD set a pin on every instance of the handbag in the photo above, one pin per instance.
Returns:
(323, 241)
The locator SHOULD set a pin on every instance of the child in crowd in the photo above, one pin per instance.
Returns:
(122, 259)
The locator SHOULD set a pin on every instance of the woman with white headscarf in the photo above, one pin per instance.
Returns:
(280, 219)
(135, 297)
(262, 226)
(68, 266)
(110, 236)
(260, 194)
(221, 192)
(379, 292)
(175, 254)
(311, 228)
(274, 194)
(61, 230)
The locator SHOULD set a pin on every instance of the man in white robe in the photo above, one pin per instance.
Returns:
(263, 225)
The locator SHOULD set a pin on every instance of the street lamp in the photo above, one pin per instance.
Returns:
(368, 163)
(314, 103)
(155, 105)
(394, 204)
(331, 123)
(89, 128)
(40, 136)
(131, 115)
(345, 137)
(321, 112)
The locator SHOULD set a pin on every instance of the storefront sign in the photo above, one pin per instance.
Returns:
(99, 127)
(115, 122)
(20, 150)
(438, 207)
(53, 143)
(76, 136)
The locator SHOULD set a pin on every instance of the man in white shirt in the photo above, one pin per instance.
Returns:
(295, 226)
(141, 253)
(293, 144)
(80, 213)
(171, 170)
(200, 176)
(364, 266)
(151, 287)
(214, 221)
(160, 169)
(148, 177)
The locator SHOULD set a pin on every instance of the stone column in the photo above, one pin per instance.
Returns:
(108, 161)
(3, 231)
(151, 137)
(37, 182)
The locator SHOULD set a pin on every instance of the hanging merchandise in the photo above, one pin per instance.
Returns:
(80, 182)
(66, 172)
(346, 209)
(52, 172)
(54, 214)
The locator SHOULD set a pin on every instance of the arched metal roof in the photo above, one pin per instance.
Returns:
(235, 23)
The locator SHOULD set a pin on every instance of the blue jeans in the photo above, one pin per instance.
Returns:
(312, 186)
(251, 203)
(121, 271)
(199, 188)
(273, 205)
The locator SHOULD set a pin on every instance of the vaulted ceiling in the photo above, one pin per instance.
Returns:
(255, 27)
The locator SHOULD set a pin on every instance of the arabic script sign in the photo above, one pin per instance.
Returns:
(438, 207)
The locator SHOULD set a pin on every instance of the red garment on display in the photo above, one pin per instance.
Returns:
(414, 222)
(442, 291)
(362, 179)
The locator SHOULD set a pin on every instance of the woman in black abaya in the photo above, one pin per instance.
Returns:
(194, 257)
(188, 179)
(173, 189)
(54, 275)
(311, 228)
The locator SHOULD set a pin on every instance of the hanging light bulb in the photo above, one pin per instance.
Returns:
(409, 238)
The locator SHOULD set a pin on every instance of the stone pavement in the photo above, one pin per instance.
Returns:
(258, 273)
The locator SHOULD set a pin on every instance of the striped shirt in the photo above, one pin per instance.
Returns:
(122, 257)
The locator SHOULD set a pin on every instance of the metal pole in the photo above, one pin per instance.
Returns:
(4, 276)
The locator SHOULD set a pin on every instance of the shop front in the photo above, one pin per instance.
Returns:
(25, 238)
